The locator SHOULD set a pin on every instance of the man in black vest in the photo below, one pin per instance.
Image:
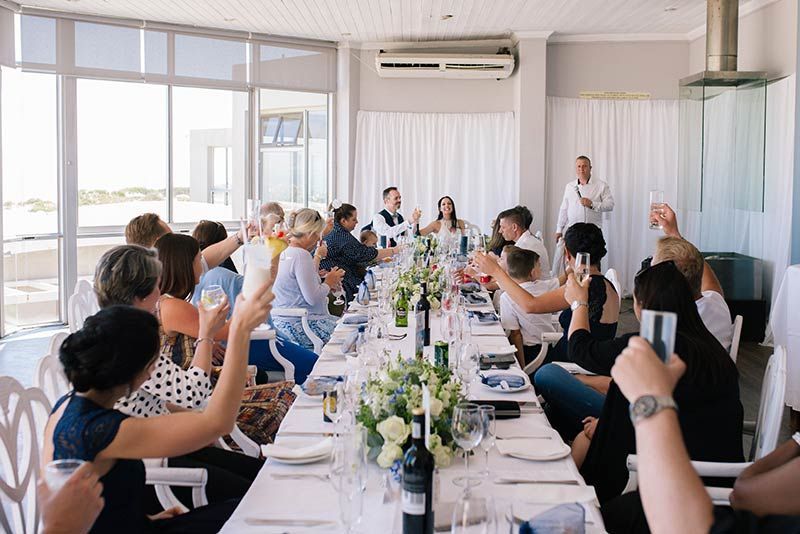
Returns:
(388, 222)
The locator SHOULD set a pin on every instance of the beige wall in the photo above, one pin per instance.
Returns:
(767, 41)
(651, 67)
(431, 95)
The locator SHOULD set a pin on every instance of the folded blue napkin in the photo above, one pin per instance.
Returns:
(483, 317)
(472, 298)
(355, 319)
(495, 380)
(349, 344)
(470, 287)
(363, 295)
(569, 518)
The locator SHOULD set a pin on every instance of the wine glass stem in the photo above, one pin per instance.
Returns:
(466, 466)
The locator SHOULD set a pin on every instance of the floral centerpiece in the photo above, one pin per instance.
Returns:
(385, 409)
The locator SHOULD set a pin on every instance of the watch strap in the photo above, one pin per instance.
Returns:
(647, 406)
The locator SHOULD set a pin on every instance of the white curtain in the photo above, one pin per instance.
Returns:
(468, 156)
(633, 146)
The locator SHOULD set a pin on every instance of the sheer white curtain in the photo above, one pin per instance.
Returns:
(633, 146)
(468, 156)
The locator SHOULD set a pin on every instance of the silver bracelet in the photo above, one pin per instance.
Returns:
(200, 339)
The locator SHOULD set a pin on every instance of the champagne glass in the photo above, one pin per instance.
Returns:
(339, 294)
(57, 472)
(656, 209)
(582, 266)
(489, 433)
(473, 514)
(212, 297)
(467, 430)
(254, 214)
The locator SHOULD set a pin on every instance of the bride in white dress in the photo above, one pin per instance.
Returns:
(446, 223)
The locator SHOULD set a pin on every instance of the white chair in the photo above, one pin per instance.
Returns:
(23, 415)
(302, 314)
(548, 338)
(53, 383)
(81, 304)
(767, 429)
(737, 336)
(613, 277)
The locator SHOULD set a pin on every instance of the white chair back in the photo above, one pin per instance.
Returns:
(737, 336)
(770, 409)
(23, 415)
(613, 277)
(49, 375)
(81, 304)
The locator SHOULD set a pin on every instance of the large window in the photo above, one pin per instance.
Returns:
(293, 148)
(122, 151)
(28, 116)
(209, 139)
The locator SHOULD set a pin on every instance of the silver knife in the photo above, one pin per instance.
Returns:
(289, 522)
(533, 481)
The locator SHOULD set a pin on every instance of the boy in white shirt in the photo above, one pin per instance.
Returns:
(525, 329)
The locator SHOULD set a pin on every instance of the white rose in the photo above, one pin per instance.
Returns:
(436, 407)
(442, 456)
(393, 430)
(389, 453)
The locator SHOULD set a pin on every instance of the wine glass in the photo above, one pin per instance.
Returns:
(212, 297)
(489, 432)
(468, 363)
(473, 514)
(656, 209)
(339, 294)
(467, 429)
(348, 477)
(582, 267)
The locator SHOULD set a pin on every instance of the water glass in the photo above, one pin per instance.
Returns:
(473, 514)
(489, 433)
(656, 209)
(212, 297)
(57, 472)
(468, 364)
(253, 207)
(658, 327)
(467, 430)
(582, 267)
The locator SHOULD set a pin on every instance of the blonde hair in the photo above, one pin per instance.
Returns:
(686, 257)
(144, 230)
(272, 208)
(304, 221)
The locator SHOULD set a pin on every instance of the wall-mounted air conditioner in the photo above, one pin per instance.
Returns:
(438, 65)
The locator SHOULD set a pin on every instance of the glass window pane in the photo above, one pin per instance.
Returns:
(122, 151)
(203, 120)
(30, 285)
(155, 52)
(89, 251)
(290, 132)
(283, 176)
(215, 59)
(297, 68)
(102, 46)
(269, 127)
(38, 39)
(30, 153)
(318, 159)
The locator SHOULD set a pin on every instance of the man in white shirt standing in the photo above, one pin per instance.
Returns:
(585, 200)
(514, 225)
(388, 222)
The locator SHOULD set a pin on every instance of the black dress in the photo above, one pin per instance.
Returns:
(710, 416)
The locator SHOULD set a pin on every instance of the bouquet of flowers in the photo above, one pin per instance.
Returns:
(412, 278)
(385, 409)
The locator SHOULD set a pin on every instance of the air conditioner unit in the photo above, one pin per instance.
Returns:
(437, 65)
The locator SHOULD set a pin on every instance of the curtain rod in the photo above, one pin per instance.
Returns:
(165, 26)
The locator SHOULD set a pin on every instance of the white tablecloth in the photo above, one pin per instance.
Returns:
(310, 498)
(784, 330)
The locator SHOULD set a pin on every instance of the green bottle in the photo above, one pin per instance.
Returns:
(401, 310)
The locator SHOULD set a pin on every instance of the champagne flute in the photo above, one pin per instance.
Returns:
(489, 433)
(656, 209)
(582, 267)
(467, 430)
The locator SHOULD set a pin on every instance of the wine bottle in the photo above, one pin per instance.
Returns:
(418, 480)
(424, 308)
(401, 310)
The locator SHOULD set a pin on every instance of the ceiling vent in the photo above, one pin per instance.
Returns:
(437, 65)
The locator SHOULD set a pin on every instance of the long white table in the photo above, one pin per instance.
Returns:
(315, 498)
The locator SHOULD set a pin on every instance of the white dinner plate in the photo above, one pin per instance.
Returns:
(557, 450)
(300, 461)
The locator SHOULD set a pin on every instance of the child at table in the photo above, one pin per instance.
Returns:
(525, 329)
(369, 238)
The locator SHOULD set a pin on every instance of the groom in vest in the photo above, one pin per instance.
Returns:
(388, 223)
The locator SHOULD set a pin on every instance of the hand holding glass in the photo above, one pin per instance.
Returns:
(656, 209)
(212, 297)
(658, 327)
(582, 267)
(57, 472)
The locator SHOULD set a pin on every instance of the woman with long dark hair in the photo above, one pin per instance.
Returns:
(707, 396)
(112, 356)
(447, 222)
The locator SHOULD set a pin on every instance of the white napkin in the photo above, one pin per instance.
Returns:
(552, 494)
(537, 449)
(288, 453)
(540, 475)
(510, 428)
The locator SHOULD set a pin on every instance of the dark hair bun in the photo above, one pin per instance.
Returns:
(114, 345)
(586, 237)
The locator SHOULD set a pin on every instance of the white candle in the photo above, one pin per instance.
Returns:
(426, 405)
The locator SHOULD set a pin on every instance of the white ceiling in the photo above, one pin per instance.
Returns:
(409, 20)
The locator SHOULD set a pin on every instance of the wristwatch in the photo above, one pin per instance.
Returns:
(649, 405)
(577, 304)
